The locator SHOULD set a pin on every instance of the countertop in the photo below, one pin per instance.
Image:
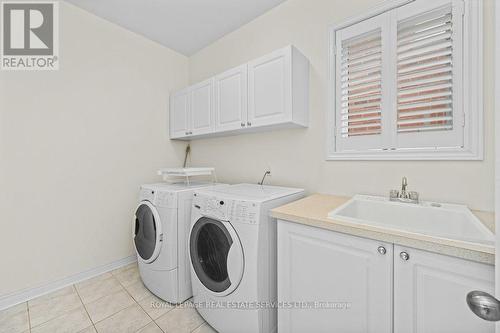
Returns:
(313, 211)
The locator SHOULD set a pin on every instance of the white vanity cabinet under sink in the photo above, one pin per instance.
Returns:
(372, 286)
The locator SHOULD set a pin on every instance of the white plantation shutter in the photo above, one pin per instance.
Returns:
(399, 82)
(429, 75)
(360, 93)
(361, 85)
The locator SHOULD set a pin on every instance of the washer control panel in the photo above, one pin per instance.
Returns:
(244, 212)
(211, 207)
(234, 211)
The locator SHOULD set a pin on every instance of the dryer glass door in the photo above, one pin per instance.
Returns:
(210, 245)
(147, 232)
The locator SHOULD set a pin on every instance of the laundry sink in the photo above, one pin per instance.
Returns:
(447, 221)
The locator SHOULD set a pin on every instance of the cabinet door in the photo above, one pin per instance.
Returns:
(332, 282)
(231, 99)
(269, 88)
(179, 114)
(430, 291)
(201, 108)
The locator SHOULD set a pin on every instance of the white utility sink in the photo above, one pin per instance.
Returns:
(448, 221)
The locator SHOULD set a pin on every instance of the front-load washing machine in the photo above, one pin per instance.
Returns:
(232, 247)
(161, 227)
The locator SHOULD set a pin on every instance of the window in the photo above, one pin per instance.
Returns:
(406, 83)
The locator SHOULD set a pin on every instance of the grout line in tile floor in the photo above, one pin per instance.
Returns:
(136, 302)
(29, 317)
(153, 320)
(129, 280)
(84, 307)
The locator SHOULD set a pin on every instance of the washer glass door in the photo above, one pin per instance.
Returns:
(212, 245)
(147, 233)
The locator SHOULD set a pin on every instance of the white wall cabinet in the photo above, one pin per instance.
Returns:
(428, 289)
(231, 99)
(266, 93)
(276, 92)
(320, 266)
(179, 114)
(202, 102)
(191, 111)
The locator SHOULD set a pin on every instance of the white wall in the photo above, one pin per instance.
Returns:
(297, 157)
(75, 144)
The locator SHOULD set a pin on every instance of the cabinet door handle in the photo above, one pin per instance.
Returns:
(381, 250)
(484, 305)
(404, 255)
(249, 123)
(242, 124)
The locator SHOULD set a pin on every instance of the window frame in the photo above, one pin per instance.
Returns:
(472, 85)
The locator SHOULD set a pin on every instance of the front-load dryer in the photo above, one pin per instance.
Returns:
(232, 247)
(161, 227)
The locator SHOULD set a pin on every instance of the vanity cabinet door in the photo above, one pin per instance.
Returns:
(332, 282)
(430, 291)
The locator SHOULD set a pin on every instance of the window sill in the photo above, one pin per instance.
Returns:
(407, 155)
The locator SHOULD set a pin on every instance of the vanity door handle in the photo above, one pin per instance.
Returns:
(404, 255)
(484, 305)
(381, 250)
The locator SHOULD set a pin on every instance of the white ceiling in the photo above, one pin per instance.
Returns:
(185, 26)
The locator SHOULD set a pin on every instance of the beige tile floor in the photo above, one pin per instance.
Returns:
(112, 302)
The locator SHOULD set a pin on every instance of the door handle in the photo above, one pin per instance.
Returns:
(484, 305)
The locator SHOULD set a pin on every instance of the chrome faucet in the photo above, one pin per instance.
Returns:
(404, 195)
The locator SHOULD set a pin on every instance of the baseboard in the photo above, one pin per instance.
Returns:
(15, 298)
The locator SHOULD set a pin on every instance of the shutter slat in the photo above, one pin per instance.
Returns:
(362, 59)
(421, 43)
(404, 107)
(424, 72)
(361, 96)
(425, 57)
(425, 65)
(406, 114)
(424, 81)
(415, 76)
(416, 35)
(423, 120)
(424, 129)
(361, 85)
(425, 50)
(424, 89)
(423, 96)
(422, 23)
(346, 115)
